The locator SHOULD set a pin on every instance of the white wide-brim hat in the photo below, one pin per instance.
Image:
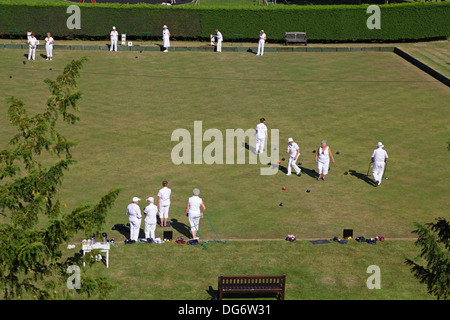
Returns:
(136, 199)
(164, 27)
(380, 145)
(290, 140)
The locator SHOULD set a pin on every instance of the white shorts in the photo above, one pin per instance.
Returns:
(323, 167)
(164, 212)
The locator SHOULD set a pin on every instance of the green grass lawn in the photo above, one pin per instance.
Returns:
(132, 102)
(434, 54)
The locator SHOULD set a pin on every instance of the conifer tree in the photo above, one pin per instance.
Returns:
(35, 225)
(434, 240)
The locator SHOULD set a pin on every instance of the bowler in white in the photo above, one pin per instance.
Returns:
(261, 135)
(194, 212)
(150, 212)
(323, 156)
(166, 38)
(294, 151)
(379, 160)
(134, 217)
(49, 41)
(261, 43)
(219, 39)
(164, 203)
(114, 37)
(32, 42)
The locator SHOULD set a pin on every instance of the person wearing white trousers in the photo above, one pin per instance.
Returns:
(261, 135)
(194, 213)
(150, 218)
(134, 217)
(114, 37)
(379, 159)
(219, 39)
(49, 41)
(164, 203)
(294, 152)
(323, 156)
(166, 38)
(261, 43)
(32, 42)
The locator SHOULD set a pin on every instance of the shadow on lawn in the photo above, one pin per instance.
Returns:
(362, 177)
(214, 294)
(182, 228)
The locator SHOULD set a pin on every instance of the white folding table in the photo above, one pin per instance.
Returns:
(101, 246)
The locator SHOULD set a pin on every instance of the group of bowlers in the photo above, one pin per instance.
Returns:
(261, 42)
(323, 155)
(33, 43)
(114, 38)
(194, 211)
(195, 206)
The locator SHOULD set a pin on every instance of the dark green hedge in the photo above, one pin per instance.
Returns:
(409, 21)
(412, 21)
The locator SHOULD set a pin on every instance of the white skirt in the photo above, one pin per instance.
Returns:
(166, 42)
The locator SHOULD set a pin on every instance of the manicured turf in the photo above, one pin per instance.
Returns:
(132, 103)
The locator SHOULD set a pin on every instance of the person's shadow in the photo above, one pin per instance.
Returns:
(249, 148)
(182, 228)
(312, 173)
(213, 293)
(362, 177)
(125, 230)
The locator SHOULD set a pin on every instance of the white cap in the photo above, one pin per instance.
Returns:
(151, 199)
(114, 28)
(380, 145)
(136, 199)
(290, 140)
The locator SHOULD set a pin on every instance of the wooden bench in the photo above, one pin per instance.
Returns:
(252, 284)
(298, 37)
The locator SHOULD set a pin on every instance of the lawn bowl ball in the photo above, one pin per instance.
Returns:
(308, 190)
(284, 188)
(279, 162)
(281, 204)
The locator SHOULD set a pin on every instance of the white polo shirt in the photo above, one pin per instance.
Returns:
(151, 210)
(219, 36)
(32, 42)
(262, 37)
(133, 211)
(164, 193)
(293, 149)
(261, 131)
(379, 155)
(114, 35)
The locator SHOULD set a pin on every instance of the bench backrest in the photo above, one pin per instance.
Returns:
(252, 282)
(295, 35)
